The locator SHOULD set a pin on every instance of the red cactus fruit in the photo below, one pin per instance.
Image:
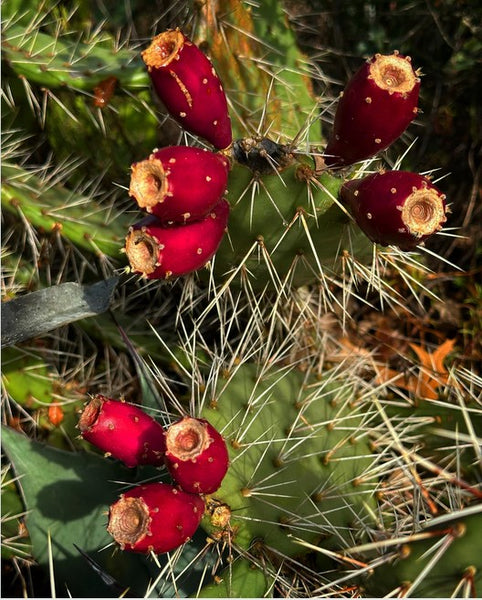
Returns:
(376, 107)
(155, 517)
(188, 85)
(179, 183)
(395, 207)
(123, 431)
(196, 455)
(160, 252)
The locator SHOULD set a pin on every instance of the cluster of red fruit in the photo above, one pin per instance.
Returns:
(376, 107)
(156, 517)
(182, 187)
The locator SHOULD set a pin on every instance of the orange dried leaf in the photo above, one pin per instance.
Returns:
(432, 373)
(55, 414)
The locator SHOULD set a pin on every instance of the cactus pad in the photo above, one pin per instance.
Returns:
(299, 461)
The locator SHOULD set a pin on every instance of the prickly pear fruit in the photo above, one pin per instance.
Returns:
(123, 431)
(179, 183)
(186, 82)
(196, 455)
(395, 207)
(156, 517)
(376, 107)
(160, 252)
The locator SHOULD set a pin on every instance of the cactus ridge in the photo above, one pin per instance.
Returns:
(54, 60)
(46, 204)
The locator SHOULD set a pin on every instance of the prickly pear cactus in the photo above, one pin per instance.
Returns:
(354, 467)
(53, 59)
(50, 206)
(286, 229)
(288, 225)
(300, 461)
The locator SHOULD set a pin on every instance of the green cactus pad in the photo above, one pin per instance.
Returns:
(15, 539)
(264, 74)
(282, 227)
(125, 132)
(27, 378)
(300, 464)
(56, 61)
(442, 418)
(241, 579)
(52, 207)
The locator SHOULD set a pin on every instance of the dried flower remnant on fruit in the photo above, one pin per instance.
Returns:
(142, 251)
(187, 439)
(163, 49)
(393, 73)
(189, 87)
(129, 521)
(148, 183)
(423, 211)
